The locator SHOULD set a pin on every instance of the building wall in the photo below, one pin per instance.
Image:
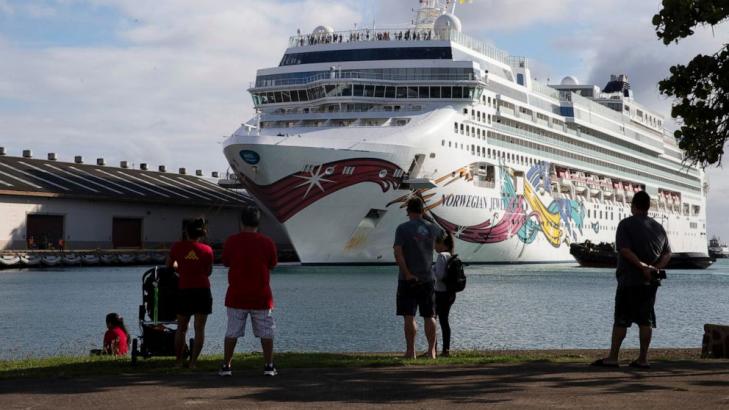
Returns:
(88, 224)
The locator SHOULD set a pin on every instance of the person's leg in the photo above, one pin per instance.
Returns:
(236, 329)
(619, 333)
(410, 331)
(443, 302)
(200, 320)
(646, 332)
(267, 347)
(430, 335)
(182, 324)
(229, 348)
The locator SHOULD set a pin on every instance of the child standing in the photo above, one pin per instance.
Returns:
(249, 256)
(443, 297)
(116, 338)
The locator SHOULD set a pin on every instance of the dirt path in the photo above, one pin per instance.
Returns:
(675, 384)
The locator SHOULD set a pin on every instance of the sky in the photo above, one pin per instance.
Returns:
(164, 81)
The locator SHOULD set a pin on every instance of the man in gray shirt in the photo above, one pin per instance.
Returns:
(414, 256)
(643, 250)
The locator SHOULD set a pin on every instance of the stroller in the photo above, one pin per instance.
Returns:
(157, 316)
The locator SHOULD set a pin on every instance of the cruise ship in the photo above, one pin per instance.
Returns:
(351, 124)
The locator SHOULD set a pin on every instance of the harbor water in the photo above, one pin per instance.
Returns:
(352, 309)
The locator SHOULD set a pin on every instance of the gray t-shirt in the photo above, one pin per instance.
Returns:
(417, 237)
(647, 239)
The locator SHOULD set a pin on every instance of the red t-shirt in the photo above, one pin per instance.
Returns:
(116, 334)
(250, 257)
(194, 263)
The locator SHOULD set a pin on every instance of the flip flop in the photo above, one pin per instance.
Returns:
(636, 365)
(601, 363)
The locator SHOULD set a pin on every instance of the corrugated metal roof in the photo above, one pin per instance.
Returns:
(35, 177)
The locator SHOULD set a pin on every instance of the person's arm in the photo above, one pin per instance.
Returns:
(273, 255)
(400, 259)
(665, 254)
(171, 263)
(226, 253)
(632, 258)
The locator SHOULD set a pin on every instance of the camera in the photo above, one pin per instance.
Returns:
(657, 276)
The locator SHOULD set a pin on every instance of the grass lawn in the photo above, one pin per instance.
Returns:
(73, 367)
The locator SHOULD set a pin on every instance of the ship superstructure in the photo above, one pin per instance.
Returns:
(352, 123)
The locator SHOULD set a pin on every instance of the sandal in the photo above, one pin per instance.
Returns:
(637, 365)
(601, 363)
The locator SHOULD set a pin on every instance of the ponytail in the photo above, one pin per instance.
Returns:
(447, 240)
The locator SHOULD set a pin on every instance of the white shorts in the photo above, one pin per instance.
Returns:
(261, 321)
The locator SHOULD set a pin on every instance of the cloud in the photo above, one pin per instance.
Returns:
(6, 8)
(167, 95)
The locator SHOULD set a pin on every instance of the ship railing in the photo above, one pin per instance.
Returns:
(354, 75)
(586, 152)
(363, 35)
(407, 34)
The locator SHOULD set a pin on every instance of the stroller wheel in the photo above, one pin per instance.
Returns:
(135, 352)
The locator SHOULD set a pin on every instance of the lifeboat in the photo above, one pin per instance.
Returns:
(108, 259)
(51, 260)
(30, 260)
(143, 257)
(159, 258)
(71, 259)
(126, 258)
(9, 260)
(90, 259)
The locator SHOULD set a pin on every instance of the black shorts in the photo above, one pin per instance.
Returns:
(194, 301)
(634, 304)
(414, 296)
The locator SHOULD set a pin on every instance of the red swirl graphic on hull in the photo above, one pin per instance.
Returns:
(289, 195)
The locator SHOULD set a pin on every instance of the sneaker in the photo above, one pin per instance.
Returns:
(270, 370)
(225, 371)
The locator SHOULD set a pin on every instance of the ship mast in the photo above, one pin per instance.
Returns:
(429, 11)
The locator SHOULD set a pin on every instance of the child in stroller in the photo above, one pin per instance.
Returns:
(157, 317)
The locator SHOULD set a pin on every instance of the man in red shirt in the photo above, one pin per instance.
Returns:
(250, 257)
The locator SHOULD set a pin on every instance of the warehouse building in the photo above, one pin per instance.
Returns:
(48, 204)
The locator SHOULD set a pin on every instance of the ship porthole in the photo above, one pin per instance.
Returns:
(329, 171)
(383, 173)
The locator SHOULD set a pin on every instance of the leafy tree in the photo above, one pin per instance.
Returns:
(700, 88)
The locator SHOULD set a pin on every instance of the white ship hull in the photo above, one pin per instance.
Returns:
(325, 211)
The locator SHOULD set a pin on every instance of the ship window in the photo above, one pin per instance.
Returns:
(424, 92)
(389, 92)
(402, 92)
(412, 92)
(455, 127)
(445, 92)
(369, 91)
(379, 91)
(469, 92)
(285, 96)
(435, 92)
(330, 90)
(277, 97)
(294, 96)
(419, 53)
(457, 92)
(303, 96)
(358, 90)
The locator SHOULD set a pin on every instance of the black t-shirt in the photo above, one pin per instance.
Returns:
(647, 239)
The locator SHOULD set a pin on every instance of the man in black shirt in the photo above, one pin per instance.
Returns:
(643, 249)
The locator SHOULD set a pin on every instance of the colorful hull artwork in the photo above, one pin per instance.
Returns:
(523, 214)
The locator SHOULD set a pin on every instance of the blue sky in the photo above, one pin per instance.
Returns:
(163, 81)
